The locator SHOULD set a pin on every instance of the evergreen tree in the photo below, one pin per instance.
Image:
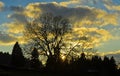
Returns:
(96, 62)
(17, 59)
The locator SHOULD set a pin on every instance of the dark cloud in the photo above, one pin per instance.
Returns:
(18, 17)
(78, 12)
(85, 14)
(10, 39)
(74, 14)
(6, 38)
(17, 8)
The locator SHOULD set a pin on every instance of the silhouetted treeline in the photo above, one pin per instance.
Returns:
(5, 58)
(81, 65)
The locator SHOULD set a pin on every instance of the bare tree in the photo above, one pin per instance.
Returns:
(47, 33)
(53, 37)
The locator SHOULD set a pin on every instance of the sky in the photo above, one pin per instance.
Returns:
(96, 18)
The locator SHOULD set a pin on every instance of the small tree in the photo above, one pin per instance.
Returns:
(17, 58)
(113, 65)
(35, 63)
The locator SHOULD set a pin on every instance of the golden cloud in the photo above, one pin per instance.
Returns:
(112, 53)
(67, 3)
(15, 27)
(95, 35)
(113, 7)
(6, 39)
(86, 21)
(13, 34)
(32, 10)
(97, 17)
(6, 44)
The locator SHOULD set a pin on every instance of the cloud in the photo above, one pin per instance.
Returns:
(18, 17)
(94, 34)
(115, 52)
(88, 15)
(5, 37)
(86, 20)
(111, 53)
(17, 8)
(13, 32)
(82, 15)
(113, 7)
(15, 27)
(1, 5)
(8, 39)
(103, 4)
(70, 3)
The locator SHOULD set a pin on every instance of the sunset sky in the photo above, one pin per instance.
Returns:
(99, 18)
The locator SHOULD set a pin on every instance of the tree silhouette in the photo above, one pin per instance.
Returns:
(17, 58)
(112, 60)
(96, 62)
(35, 63)
(5, 58)
(35, 54)
(48, 34)
(112, 64)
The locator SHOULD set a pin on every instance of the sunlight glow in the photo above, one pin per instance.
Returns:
(63, 57)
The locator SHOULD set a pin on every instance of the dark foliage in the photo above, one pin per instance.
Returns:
(5, 58)
(81, 65)
(94, 66)
(34, 62)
